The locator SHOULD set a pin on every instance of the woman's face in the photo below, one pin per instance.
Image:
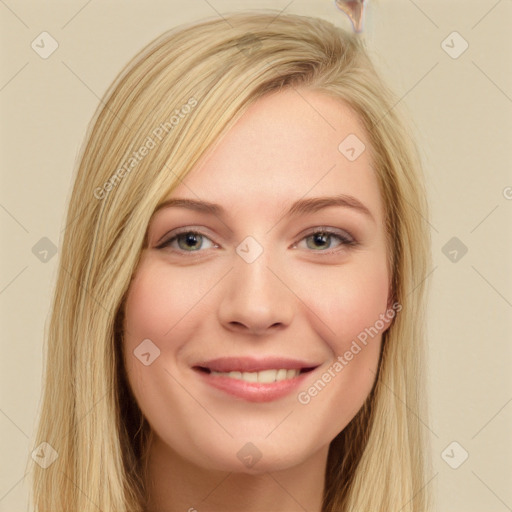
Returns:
(252, 343)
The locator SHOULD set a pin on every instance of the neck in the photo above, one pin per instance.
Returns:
(176, 485)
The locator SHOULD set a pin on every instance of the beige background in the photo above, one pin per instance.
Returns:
(462, 110)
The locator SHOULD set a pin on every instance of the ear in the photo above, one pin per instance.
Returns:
(391, 300)
(391, 296)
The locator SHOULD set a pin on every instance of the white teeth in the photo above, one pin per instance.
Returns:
(292, 373)
(264, 376)
(281, 374)
(250, 377)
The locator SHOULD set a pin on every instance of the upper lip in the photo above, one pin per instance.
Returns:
(253, 364)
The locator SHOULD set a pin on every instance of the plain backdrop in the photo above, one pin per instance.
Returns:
(457, 90)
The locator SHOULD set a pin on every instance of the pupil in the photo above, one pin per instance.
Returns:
(320, 238)
(190, 240)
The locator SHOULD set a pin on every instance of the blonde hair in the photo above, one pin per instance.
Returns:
(88, 413)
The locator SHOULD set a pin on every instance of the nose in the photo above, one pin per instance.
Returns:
(256, 299)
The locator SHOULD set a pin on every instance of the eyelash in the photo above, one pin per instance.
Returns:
(345, 241)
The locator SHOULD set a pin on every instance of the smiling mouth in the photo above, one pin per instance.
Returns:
(262, 377)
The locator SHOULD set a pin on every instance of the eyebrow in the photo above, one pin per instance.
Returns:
(300, 207)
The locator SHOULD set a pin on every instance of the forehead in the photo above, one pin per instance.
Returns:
(287, 145)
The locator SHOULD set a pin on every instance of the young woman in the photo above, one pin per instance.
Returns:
(239, 311)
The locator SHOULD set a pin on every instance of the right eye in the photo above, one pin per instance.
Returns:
(187, 241)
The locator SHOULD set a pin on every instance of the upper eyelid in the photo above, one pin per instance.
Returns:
(179, 231)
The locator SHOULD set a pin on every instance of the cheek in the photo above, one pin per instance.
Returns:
(162, 306)
(159, 303)
(350, 302)
(351, 306)
(155, 311)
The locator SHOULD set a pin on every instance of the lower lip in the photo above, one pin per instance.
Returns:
(254, 391)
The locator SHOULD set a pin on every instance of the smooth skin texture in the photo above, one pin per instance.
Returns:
(304, 297)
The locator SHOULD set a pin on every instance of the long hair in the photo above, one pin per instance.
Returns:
(177, 98)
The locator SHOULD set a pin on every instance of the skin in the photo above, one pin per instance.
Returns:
(294, 300)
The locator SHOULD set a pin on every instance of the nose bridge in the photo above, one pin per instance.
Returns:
(255, 277)
(255, 297)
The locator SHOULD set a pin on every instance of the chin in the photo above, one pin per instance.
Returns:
(252, 458)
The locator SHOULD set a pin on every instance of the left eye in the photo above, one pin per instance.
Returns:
(323, 238)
